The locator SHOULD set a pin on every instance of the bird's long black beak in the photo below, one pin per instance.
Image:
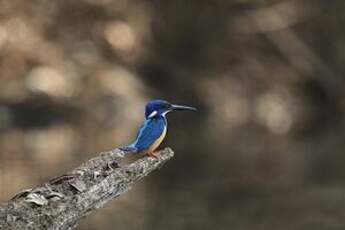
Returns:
(182, 107)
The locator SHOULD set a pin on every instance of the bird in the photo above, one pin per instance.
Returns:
(154, 129)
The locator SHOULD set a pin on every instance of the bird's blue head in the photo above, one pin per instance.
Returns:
(160, 108)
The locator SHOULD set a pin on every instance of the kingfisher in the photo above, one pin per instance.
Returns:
(154, 129)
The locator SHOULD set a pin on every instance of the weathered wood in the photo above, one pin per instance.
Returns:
(60, 203)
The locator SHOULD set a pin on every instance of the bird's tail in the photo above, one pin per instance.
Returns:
(129, 149)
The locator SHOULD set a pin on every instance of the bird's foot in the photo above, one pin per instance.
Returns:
(153, 154)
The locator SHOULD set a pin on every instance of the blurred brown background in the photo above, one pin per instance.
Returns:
(265, 150)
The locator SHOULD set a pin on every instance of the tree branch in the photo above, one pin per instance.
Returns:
(60, 203)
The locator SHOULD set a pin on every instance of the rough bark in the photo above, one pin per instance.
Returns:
(60, 203)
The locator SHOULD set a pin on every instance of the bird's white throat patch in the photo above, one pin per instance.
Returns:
(165, 113)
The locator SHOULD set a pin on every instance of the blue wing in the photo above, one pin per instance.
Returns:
(149, 132)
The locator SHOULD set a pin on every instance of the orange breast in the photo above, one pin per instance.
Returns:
(155, 145)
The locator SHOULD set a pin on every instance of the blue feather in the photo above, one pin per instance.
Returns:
(150, 131)
(129, 149)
